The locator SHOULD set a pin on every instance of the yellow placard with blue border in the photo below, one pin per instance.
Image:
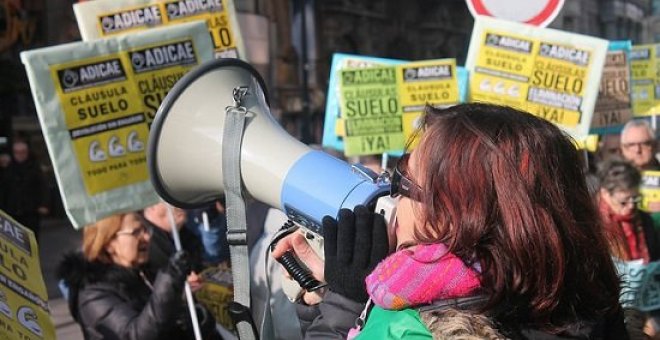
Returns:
(24, 310)
(381, 106)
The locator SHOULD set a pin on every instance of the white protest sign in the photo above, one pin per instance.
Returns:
(95, 101)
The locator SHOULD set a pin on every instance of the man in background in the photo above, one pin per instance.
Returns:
(23, 192)
(638, 145)
(161, 246)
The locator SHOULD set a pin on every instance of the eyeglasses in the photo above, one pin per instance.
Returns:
(137, 232)
(647, 144)
(632, 200)
(402, 185)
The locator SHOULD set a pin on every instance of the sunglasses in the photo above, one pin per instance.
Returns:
(402, 185)
(137, 232)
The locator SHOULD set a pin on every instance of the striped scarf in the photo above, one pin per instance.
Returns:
(420, 275)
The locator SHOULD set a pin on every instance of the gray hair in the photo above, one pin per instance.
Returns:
(618, 175)
(637, 123)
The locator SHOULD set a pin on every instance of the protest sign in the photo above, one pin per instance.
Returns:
(95, 101)
(334, 125)
(613, 106)
(371, 110)
(217, 293)
(643, 65)
(650, 191)
(24, 310)
(380, 105)
(641, 284)
(105, 18)
(549, 73)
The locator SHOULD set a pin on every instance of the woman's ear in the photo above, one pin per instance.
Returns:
(110, 248)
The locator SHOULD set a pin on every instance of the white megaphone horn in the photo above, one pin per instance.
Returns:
(185, 151)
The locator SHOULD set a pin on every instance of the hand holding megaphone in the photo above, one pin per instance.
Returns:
(353, 245)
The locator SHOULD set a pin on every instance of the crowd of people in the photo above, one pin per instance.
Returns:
(503, 230)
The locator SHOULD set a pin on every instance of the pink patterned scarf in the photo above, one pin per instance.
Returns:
(420, 275)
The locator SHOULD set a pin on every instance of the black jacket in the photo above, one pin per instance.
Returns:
(113, 302)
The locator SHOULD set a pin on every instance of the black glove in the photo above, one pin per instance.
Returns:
(354, 245)
(179, 264)
(207, 325)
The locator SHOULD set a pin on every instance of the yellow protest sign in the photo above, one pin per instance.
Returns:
(643, 65)
(101, 108)
(381, 105)
(95, 102)
(105, 18)
(552, 74)
(425, 82)
(24, 310)
(217, 293)
(650, 191)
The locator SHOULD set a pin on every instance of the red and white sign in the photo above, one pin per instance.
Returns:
(534, 12)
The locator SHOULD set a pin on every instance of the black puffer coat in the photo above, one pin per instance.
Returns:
(114, 302)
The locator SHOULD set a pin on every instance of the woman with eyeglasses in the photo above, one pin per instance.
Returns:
(493, 217)
(110, 295)
(630, 231)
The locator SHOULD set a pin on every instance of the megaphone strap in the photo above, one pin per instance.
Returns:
(236, 219)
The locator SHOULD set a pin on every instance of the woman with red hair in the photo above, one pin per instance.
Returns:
(493, 216)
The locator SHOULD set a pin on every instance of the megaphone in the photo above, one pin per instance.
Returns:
(185, 151)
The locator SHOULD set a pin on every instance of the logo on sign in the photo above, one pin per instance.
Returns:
(139, 17)
(186, 8)
(97, 73)
(509, 43)
(640, 54)
(179, 53)
(434, 72)
(15, 234)
(570, 54)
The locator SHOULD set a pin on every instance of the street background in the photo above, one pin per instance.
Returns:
(57, 238)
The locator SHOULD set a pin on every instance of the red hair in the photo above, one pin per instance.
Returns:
(506, 188)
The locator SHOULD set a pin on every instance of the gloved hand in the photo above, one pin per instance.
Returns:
(353, 245)
(179, 264)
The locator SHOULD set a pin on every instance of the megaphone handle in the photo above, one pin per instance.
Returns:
(299, 273)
